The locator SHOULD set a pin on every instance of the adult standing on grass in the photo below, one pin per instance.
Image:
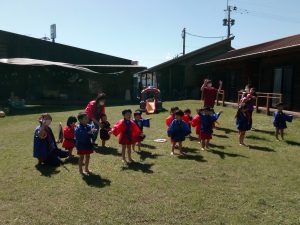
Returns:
(210, 93)
(94, 111)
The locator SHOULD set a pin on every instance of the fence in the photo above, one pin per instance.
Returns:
(268, 97)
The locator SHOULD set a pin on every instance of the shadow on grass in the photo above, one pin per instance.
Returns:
(47, 170)
(72, 160)
(198, 158)
(192, 150)
(293, 143)
(107, 151)
(137, 166)
(264, 131)
(225, 154)
(146, 155)
(227, 130)
(148, 146)
(192, 138)
(95, 180)
(216, 146)
(220, 135)
(253, 137)
(261, 148)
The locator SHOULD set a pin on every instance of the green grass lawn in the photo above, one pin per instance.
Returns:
(228, 185)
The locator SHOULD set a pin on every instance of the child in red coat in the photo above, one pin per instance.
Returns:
(196, 122)
(69, 136)
(128, 132)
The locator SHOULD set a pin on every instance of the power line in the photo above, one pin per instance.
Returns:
(199, 36)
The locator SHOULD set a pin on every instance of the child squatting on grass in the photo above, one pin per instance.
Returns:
(279, 120)
(128, 132)
(83, 134)
(178, 130)
(44, 145)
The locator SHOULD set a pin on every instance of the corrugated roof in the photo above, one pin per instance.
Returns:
(267, 47)
(38, 62)
(188, 55)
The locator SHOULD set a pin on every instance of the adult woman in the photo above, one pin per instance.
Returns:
(94, 110)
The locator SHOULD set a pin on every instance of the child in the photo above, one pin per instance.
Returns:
(105, 128)
(83, 134)
(178, 130)
(250, 102)
(279, 120)
(207, 118)
(242, 122)
(128, 132)
(187, 117)
(44, 146)
(69, 136)
(171, 117)
(141, 123)
(196, 122)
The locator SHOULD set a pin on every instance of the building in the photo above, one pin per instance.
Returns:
(272, 67)
(43, 72)
(179, 78)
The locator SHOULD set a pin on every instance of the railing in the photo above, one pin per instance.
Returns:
(222, 94)
(269, 97)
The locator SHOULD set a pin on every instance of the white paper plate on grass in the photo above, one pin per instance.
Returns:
(160, 140)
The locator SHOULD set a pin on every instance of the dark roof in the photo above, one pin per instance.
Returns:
(14, 45)
(270, 47)
(189, 55)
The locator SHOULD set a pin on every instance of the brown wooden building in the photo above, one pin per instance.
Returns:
(270, 67)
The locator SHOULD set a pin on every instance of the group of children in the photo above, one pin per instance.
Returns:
(81, 136)
(130, 131)
(244, 116)
(179, 125)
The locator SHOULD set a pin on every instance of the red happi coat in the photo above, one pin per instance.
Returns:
(169, 120)
(128, 132)
(69, 138)
(196, 122)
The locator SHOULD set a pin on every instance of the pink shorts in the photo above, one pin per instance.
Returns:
(84, 152)
(205, 136)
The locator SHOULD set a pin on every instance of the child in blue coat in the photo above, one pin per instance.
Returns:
(243, 122)
(207, 118)
(178, 130)
(279, 120)
(83, 135)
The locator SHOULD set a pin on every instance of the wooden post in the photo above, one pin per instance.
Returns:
(268, 108)
(280, 98)
(256, 104)
(223, 98)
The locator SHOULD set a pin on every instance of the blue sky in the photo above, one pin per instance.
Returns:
(149, 30)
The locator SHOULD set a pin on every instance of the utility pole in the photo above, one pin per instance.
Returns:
(183, 34)
(228, 21)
